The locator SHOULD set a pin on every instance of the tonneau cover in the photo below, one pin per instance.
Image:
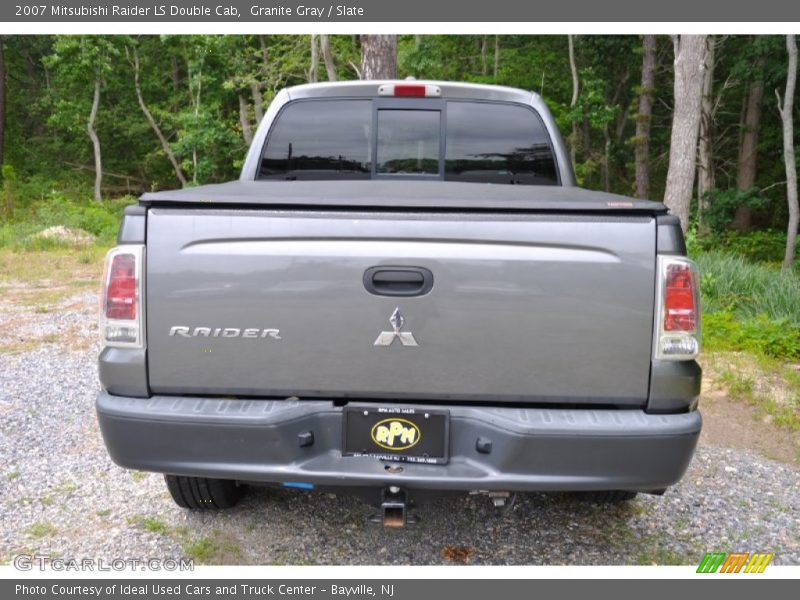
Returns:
(404, 194)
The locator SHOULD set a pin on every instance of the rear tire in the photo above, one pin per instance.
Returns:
(608, 496)
(200, 493)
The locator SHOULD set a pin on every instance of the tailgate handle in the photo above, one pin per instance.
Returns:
(398, 281)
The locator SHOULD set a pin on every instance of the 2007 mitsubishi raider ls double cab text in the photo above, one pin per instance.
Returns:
(404, 295)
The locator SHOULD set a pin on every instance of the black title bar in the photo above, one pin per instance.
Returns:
(366, 11)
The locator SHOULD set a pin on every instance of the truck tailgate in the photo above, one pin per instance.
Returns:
(524, 307)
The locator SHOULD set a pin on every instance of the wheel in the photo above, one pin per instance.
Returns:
(608, 496)
(200, 493)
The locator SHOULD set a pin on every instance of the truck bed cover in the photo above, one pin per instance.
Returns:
(394, 194)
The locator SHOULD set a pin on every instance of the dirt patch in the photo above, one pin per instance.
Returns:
(736, 424)
(69, 323)
(76, 237)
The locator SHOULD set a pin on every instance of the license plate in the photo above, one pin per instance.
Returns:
(397, 434)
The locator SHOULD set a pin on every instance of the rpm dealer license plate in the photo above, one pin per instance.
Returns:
(397, 433)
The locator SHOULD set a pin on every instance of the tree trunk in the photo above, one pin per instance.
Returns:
(313, 76)
(619, 123)
(2, 102)
(327, 56)
(496, 56)
(258, 102)
(153, 125)
(98, 161)
(573, 142)
(748, 148)
(262, 42)
(244, 120)
(690, 51)
(605, 167)
(788, 152)
(644, 117)
(378, 57)
(176, 74)
(484, 50)
(706, 175)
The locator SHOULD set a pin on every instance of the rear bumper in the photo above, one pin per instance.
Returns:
(532, 449)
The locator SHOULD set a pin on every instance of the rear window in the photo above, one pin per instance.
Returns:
(483, 142)
(497, 143)
(408, 142)
(320, 140)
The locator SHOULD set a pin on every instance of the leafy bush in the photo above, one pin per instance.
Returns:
(101, 219)
(722, 205)
(761, 335)
(755, 246)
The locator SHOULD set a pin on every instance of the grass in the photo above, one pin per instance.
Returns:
(731, 283)
(98, 219)
(41, 529)
(73, 267)
(770, 385)
(35, 283)
(749, 307)
(219, 548)
(151, 524)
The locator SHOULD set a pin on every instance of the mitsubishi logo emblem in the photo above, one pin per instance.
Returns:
(387, 338)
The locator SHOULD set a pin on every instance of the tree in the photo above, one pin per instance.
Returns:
(573, 69)
(313, 70)
(327, 56)
(378, 57)
(133, 54)
(705, 158)
(690, 52)
(788, 151)
(2, 100)
(496, 58)
(80, 63)
(644, 117)
(748, 142)
(98, 159)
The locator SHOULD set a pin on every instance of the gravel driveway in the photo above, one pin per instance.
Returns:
(61, 495)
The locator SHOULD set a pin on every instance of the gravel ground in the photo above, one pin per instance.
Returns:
(61, 495)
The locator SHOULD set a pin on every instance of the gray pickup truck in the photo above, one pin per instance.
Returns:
(404, 295)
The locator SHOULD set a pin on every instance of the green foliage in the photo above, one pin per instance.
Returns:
(101, 220)
(194, 86)
(722, 331)
(749, 307)
(722, 205)
(9, 185)
(730, 283)
(756, 246)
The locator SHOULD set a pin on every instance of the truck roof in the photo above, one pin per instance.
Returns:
(449, 89)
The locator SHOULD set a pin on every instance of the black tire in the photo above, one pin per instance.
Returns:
(200, 493)
(608, 496)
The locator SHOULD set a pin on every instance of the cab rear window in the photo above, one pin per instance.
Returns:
(481, 142)
(497, 143)
(325, 139)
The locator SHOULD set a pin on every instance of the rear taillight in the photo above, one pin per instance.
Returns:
(121, 314)
(677, 327)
